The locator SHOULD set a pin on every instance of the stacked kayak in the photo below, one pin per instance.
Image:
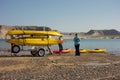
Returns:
(29, 37)
(68, 50)
(33, 32)
(32, 38)
(31, 41)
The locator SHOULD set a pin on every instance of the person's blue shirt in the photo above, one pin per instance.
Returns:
(76, 40)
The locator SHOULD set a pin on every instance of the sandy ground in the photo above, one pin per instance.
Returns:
(60, 67)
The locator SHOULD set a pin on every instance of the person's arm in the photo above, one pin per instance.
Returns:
(79, 39)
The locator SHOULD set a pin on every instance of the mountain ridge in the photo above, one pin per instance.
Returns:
(91, 33)
(103, 32)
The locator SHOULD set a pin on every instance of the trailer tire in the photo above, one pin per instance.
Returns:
(15, 49)
(41, 52)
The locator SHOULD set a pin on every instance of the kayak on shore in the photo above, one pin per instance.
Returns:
(82, 51)
(97, 50)
(68, 50)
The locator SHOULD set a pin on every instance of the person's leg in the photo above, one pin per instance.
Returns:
(11, 50)
(50, 51)
(77, 50)
(60, 48)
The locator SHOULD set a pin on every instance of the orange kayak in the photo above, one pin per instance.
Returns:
(68, 50)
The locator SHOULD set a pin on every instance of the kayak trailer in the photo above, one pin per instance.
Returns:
(35, 50)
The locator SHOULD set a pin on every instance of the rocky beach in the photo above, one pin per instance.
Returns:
(91, 66)
(40, 39)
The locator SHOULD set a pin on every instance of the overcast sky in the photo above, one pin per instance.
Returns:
(62, 15)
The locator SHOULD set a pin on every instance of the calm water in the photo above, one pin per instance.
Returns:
(112, 45)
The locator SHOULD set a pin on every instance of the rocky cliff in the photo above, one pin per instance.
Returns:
(3, 31)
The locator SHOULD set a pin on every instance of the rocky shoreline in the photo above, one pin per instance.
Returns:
(60, 67)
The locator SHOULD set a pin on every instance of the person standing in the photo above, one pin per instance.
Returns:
(49, 47)
(77, 44)
(60, 45)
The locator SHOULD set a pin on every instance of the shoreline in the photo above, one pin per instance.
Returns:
(97, 66)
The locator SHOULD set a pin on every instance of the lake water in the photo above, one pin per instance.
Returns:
(112, 45)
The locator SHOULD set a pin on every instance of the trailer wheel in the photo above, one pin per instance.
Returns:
(41, 52)
(15, 49)
(34, 53)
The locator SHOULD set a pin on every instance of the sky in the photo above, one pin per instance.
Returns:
(62, 15)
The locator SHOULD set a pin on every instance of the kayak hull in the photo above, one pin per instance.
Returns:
(68, 50)
(33, 32)
(82, 51)
(91, 51)
(34, 41)
(97, 51)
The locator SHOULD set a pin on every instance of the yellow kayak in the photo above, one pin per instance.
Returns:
(91, 51)
(82, 51)
(33, 32)
(34, 41)
(97, 51)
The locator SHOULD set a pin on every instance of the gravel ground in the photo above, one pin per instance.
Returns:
(60, 67)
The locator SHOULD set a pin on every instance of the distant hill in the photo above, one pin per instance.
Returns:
(102, 32)
(106, 34)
